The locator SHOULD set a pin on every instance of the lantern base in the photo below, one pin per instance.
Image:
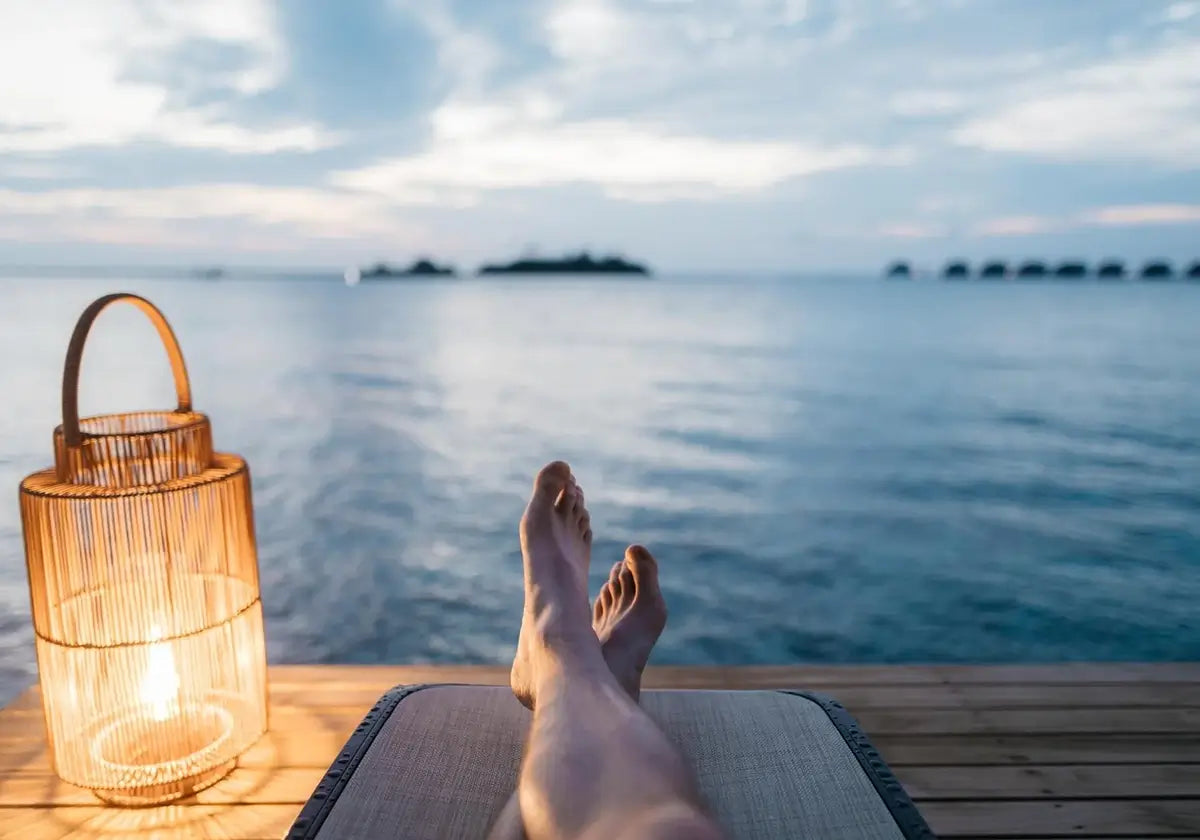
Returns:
(168, 792)
(152, 761)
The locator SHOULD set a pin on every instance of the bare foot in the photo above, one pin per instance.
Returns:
(556, 543)
(629, 616)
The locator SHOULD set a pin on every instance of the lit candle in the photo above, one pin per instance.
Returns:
(160, 684)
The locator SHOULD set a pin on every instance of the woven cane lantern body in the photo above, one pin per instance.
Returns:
(143, 574)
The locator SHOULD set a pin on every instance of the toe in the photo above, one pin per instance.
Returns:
(616, 569)
(628, 584)
(552, 479)
(643, 566)
(585, 522)
(565, 503)
(606, 597)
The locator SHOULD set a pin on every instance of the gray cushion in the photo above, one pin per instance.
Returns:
(441, 761)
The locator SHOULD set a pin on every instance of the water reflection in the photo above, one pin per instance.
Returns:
(828, 471)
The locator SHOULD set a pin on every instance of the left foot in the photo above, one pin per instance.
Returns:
(629, 616)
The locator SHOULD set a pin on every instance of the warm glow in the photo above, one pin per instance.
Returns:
(160, 683)
(151, 661)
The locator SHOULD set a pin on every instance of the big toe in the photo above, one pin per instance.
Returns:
(551, 480)
(644, 567)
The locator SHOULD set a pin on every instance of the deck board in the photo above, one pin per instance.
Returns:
(1032, 752)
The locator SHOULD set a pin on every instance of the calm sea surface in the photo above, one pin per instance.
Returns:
(834, 471)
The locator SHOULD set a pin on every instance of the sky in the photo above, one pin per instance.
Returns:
(758, 135)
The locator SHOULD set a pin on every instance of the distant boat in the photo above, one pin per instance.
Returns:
(994, 270)
(1111, 270)
(581, 263)
(1032, 270)
(1193, 271)
(419, 268)
(1157, 270)
(1071, 270)
(899, 271)
(956, 270)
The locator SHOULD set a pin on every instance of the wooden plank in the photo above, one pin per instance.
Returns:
(879, 723)
(170, 822)
(773, 676)
(857, 697)
(245, 785)
(278, 748)
(1098, 818)
(973, 750)
(1097, 781)
(998, 684)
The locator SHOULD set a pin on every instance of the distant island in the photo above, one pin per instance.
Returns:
(419, 268)
(581, 263)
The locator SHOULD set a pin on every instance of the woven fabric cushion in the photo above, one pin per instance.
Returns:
(441, 761)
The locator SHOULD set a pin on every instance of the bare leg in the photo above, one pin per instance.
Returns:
(595, 766)
(628, 617)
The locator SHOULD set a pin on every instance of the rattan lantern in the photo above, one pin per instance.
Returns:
(143, 573)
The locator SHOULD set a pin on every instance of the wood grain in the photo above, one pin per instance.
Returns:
(1029, 752)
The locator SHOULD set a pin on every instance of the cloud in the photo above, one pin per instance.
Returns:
(1115, 216)
(926, 103)
(1143, 107)
(1016, 226)
(320, 213)
(476, 148)
(1181, 11)
(1135, 215)
(913, 230)
(82, 73)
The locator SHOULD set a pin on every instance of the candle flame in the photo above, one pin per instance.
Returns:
(160, 682)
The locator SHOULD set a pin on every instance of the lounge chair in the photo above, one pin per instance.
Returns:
(440, 761)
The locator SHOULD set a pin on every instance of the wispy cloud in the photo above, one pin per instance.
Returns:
(927, 103)
(1127, 215)
(913, 230)
(476, 148)
(1016, 226)
(1137, 215)
(84, 74)
(1143, 107)
(320, 213)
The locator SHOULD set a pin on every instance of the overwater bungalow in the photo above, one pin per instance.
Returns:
(956, 270)
(1071, 270)
(899, 270)
(1157, 270)
(1032, 270)
(1193, 271)
(1111, 270)
(994, 270)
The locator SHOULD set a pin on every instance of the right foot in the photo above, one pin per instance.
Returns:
(629, 616)
(556, 544)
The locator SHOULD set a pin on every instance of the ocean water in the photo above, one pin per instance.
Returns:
(829, 470)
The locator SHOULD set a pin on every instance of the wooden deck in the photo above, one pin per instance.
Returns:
(1000, 752)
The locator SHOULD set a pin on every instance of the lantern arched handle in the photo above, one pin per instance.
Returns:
(72, 435)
